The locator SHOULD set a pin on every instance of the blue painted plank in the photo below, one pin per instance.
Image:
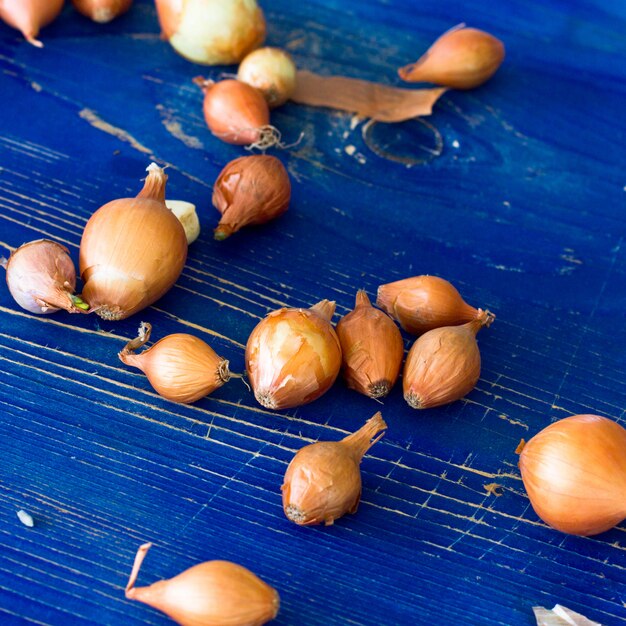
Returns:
(522, 211)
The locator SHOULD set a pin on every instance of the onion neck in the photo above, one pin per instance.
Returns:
(363, 439)
(154, 185)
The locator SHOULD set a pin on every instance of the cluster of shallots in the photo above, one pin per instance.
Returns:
(29, 16)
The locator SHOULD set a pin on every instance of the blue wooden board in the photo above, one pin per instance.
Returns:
(523, 210)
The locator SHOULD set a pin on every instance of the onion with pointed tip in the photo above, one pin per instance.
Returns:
(132, 251)
(41, 278)
(293, 356)
(323, 480)
(28, 16)
(102, 11)
(213, 593)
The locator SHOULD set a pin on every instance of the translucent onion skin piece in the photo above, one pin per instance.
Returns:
(574, 472)
(28, 16)
(132, 251)
(293, 356)
(212, 32)
(323, 481)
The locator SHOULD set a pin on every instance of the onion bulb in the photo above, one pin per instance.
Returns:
(180, 367)
(41, 278)
(237, 113)
(213, 593)
(212, 32)
(574, 472)
(102, 11)
(272, 71)
(293, 356)
(132, 251)
(28, 16)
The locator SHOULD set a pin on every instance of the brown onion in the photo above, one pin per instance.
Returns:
(132, 251)
(250, 190)
(102, 11)
(293, 356)
(421, 303)
(574, 471)
(180, 367)
(237, 113)
(41, 278)
(213, 593)
(212, 32)
(323, 480)
(372, 348)
(443, 365)
(461, 58)
(28, 16)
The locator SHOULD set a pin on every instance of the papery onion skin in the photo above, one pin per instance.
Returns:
(212, 32)
(234, 112)
(323, 480)
(293, 356)
(41, 278)
(102, 11)
(132, 251)
(462, 58)
(443, 365)
(421, 303)
(180, 367)
(250, 190)
(213, 593)
(372, 349)
(574, 472)
(271, 71)
(28, 16)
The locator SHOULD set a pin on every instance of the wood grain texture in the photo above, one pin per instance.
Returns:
(521, 207)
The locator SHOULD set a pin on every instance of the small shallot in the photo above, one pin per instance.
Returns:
(443, 365)
(372, 348)
(213, 593)
(28, 16)
(250, 190)
(323, 480)
(272, 71)
(102, 11)
(180, 367)
(212, 32)
(132, 251)
(462, 58)
(293, 356)
(574, 471)
(41, 278)
(237, 113)
(422, 303)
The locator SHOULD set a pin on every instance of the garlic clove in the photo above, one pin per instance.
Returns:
(41, 278)
(271, 71)
(421, 303)
(293, 356)
(461, 58)
(213, 593)
(28, 16)
(443, 365)
(132, 251)
(250, 190)
(372, 349)
(186, 214)
(323, 480)
(212, 32)
(180, 367)
(102, 11)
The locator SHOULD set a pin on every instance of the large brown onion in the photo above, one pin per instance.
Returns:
(132, 251)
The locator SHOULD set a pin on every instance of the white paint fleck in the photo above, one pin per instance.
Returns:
(350, 150)
(456, 144)
(25, 518)
(91, 117)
